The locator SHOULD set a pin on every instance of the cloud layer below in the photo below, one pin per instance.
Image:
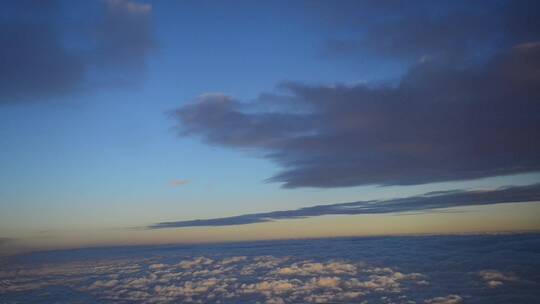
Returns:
(200, 279)
(412, 270)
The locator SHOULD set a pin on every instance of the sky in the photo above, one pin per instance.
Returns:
(146, 122)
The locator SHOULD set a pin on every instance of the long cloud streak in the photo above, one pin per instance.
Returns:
(428, 201)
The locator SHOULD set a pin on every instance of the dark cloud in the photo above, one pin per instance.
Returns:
(426, 202)
(125, 37)
(453, 30)
(440, 123)
(49, 50)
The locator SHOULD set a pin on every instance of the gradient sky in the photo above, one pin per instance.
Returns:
(118, 115)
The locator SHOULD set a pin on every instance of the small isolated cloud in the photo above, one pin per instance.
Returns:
(306, 269)
(428, 201)
(129, 6)
(179, 182)
(197, 262)
(450, 299)
(103, 284)
(157, 266)
(494, 279)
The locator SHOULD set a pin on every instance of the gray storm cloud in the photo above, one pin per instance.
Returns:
(440, 123)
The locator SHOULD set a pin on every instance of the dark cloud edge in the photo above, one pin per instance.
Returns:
(441, 122)
(426, 202)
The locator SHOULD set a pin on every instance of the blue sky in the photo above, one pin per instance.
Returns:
(96, 92)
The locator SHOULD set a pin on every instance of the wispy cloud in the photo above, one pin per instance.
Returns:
(179, 182)
(450, 299)
(428, 201)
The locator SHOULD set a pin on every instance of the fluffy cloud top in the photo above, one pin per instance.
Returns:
(207, 280)
(405, 270)
(494, 278)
